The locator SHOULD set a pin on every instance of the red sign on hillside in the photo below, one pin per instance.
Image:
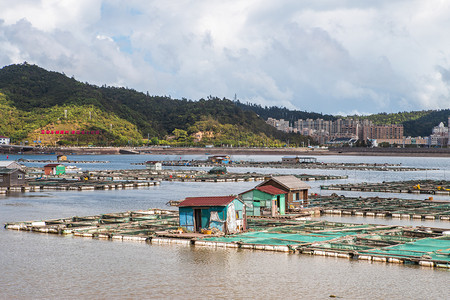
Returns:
(43, 131)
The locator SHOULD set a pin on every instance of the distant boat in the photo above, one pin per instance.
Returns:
(125, 151)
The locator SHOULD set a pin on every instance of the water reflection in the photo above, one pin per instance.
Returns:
(48, 266)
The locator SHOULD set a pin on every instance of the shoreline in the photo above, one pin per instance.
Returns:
(406, 152)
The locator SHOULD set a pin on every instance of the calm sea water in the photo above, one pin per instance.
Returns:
(40, 266)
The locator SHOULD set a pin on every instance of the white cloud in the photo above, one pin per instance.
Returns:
(324, 56)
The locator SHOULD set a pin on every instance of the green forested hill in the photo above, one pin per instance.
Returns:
(282, 112)
(32, 99)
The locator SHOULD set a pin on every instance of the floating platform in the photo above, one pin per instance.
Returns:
(300, 165)
(427, 247)
(377, 207)
(431, 187)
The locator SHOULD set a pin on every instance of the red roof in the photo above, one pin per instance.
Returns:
(207, 201)
(52, 165)
(270, 190)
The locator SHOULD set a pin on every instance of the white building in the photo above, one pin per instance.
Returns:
(439, 135)
(4, 140)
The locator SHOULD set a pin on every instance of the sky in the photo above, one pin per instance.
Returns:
(330, 56)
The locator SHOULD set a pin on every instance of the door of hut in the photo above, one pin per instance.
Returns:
(198, 220)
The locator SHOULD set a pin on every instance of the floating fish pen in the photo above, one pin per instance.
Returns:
(383, 207)
(131, 225)
(375, 243)
(300, 165)
(432, 187)
(75, 185)
(428, 247)
(177, 175)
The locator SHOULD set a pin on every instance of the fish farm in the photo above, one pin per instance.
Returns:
(383, 207)
(424, 246)
(288, 165)
(124, 179)
(432, 187)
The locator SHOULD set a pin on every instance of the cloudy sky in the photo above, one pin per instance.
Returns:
(330, 56)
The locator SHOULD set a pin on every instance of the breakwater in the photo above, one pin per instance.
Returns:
(427, 247)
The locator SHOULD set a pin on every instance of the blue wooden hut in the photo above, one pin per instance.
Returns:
(226, 213)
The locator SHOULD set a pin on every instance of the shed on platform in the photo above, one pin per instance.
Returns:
(61, 158)
(54, 169)
(296, 190)
(265, 199)
(225, 213)
(153, 165)
(12, 177)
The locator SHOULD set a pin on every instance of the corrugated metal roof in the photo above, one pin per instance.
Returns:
(207, 201)
(270, 190)
(290, 182)
(52, 165)
(6, 163)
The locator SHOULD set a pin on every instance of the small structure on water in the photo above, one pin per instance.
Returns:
(225, 213)
(219, 159)
(153, 165)
(12, 177)
(265, 199)
(54, 169)
(296, 190)
(61, 158)
(298, 160)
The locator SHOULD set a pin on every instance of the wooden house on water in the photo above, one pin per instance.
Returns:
(225, 213)
(54, 169)
(12, 177)
(265, 199)
(296, 190)
(61, 158)
(153, 165)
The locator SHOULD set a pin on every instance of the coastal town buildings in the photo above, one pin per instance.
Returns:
(348, 131)
(440, 135)
(280, 124)
(326, 131)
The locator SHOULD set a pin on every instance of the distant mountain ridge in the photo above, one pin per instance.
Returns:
(33, 98)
